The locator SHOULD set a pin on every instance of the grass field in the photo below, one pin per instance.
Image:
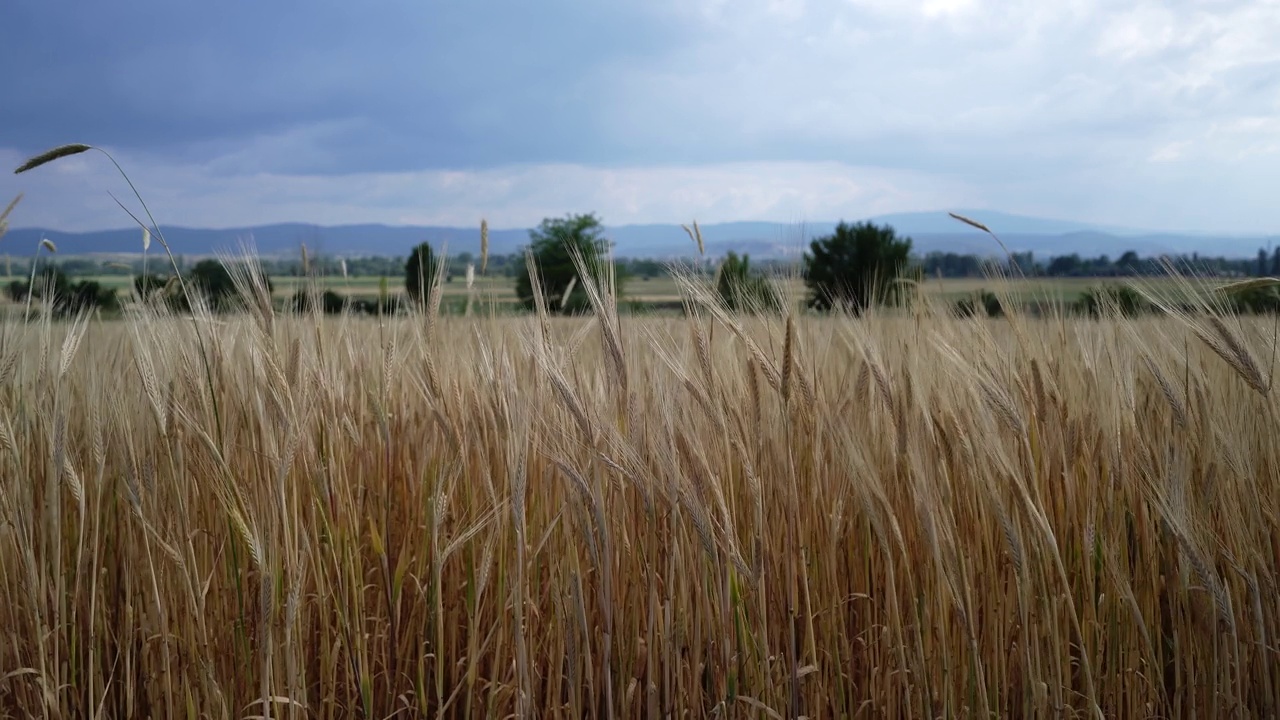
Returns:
(713, 516)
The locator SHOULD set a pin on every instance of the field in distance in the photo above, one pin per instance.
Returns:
(664, 289)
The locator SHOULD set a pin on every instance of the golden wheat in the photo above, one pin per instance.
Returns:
(772, 516)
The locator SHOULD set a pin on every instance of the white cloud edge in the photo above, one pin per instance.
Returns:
(71, 194)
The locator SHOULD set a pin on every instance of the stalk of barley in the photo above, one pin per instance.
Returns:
(8, 210)
(50, 155)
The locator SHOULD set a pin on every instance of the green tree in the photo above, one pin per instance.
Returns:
(1065, 265)
(855, 267)
(64, 297)
(551, 245)
(420, 273)
(213, 280)
(328, 302)
(88, 295)
(50, 282)
(145, 285)
(1254, 301)
(1112, 300)
(984, 302)
(740, 290)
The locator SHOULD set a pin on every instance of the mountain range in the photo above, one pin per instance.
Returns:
(929, 231)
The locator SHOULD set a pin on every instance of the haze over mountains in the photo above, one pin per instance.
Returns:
(930, 231)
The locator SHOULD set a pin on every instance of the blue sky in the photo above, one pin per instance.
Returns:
(1162, 115)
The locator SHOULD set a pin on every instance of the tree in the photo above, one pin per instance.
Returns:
(740, 290)
(145, 285)
(1128, 263)
(1254, 301)
(88, 295)
(51, 281)
(1023, 263)
(328, 302)
(855, 268)
(420, 273)
(1064, 265)
(551, 245)
(212, 279)
(1107, 299)
(62, 296)
(983, 301)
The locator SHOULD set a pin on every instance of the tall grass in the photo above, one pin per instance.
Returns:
(768, 516)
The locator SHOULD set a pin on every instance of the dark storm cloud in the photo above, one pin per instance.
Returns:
(378, 86)
(1127, 113)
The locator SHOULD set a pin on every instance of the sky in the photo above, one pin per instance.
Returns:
(1149, 115)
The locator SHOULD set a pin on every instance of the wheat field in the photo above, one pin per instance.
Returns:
(716, 516)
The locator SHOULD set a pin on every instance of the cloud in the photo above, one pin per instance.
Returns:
(964, 98)
(71, 194)
(1169, 153)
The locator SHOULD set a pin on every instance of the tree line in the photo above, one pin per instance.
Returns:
(856, 267)
(936, 263)
(1073, 265)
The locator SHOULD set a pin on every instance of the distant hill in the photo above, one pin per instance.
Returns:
(930, 231)
(272, 240)
(941, 223)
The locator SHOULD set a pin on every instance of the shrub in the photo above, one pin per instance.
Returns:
(1107, 299)
(145, 285)
(383, 306)
(331, 303)
(89, 295)
(1255, 301)
(984, 301)
(16, 291)
(64, 297)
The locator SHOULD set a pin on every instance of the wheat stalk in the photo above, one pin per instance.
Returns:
(50, 155)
